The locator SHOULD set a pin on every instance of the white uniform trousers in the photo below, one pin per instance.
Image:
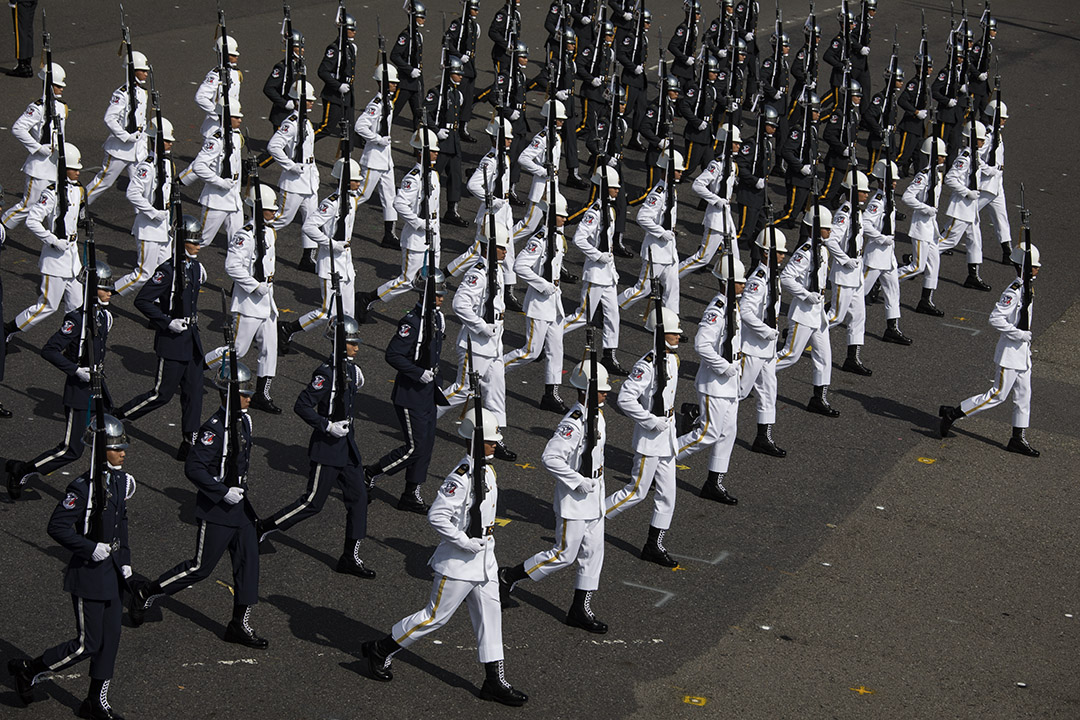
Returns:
(820, 351)
(716, 429)
(465, 261)
(647, 469)
(667, 274)
(492, 385)
(1018, 382)
(759, 374)
(956, 230)
(411, 262)
(711, 243)
(447, 594)
(384, 181)
(999, 215)
(527, 226)
(151, 254)
(288, 205)
(848, 306)
(53, 290)
(105, 179)
(212, 220)
(604, 296)
(18, 212)
(249, 329)
(328, 309)
(926, 259)
(890, 290)
(543, 336)
(577, 540)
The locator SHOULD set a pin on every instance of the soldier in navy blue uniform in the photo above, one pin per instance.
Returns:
(697, 106)
(62, 350)
(461, 42)
(443, 103)
(504, 29)
(683, 44)
(333, 454)
(416, 393)
(337, 70)
(281, 80)
(507, 95)
(95, 578)
(226, 522)
(176, 343)
(407, 56)
(801, 158)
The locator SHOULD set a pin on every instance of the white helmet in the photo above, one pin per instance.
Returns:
(492, 433)
(166, 127)
(879, 170)
(671, 321)
(266, 196)
(609, 173)
(826, 217)
(934, 142)
(980, 130)
(579, 377)
(354, 169)
(1017, 256)
(680, 161)
(561, 206)
(234, 109)
(492, 128)
(772, 237)
(863, 181)
(720, 270)
(72, 157)
(721, 133)
(988, 111)
(560, 110)
(432, 140)
(391, 73)
(309, 91)
(138, 60)
(502, 233)
(232, 48)
(59, 76)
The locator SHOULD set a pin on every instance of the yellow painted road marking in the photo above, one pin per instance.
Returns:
(694, 700)
(862, 690)
(502, 522)
(927, 461)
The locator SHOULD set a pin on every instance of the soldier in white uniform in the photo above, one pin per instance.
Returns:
(655, 440)
(486, 359)
(543, 307)
(208, 96)
(717, 384)
(578, 505)
(333, 256)
(292, 146)
(807, 319)
(923, 231)
(1013, 358)
(414, 244)
(60, 263)
(150, 195)
(253, 299)
(40, 142)
(124, 147)
(991, 180)
(376, 162)
(718, 220)
(758, 370)
(533, 160)
(963, 207)
(220, 196)
(600, 277)
(880, 253)
(466, 571)
(659, 250)
(846, 273)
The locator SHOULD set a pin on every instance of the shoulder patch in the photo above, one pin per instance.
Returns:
(158, 278)
(207, 437)
(318, 382)
(565, 430)
(404, 330)
(67, 327)
(70, 501)
(711, 316)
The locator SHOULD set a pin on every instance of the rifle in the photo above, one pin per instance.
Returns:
(864, 26)
(225, 73)
(301, 116)
(845, 31)
(1024, 323)
(442, 87)
(425, 177)
(159, 148)
(60, 226)
(932, 180)
(384, 83)
(973, 144)
(778, 50)
(922, 96)
(425, 343)
(132, 124)
(94, 523)
(475, 528)
(49, 99)
(259, 272)
(179, 279)
(592, 403)
(343, 39)
(230, 455)
(691, 28)
(886, 143)
(853, 250)
(804, 139)
(757, 167)
(598, 23)
(639, 35)
(602, 243)
(552, 185)
(774, 269)
(996, 142)
(290, 49)
(341, 233)
(727, 349)
(491, 270)
(659, 407)
(984, 54)
(815, 239)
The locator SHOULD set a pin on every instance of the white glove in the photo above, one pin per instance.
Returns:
(443, 134)
(663, 144)
(625, 15)
(613, 162)
(771, 334)
(343, 89)
(606, 257)
(178, 325)
(776, 95)
(417, 224)
(490, 329)
(597, 82)
(721, 53)
(465, 58)
(338, 246)
(125, 570)
(586, 20)
(101, 551)
(548, 289)
(689, 60)
(234, 495)
(806, 170)
(814, 298)
(158, 215)
(128, 137)
(475, 545)
(499, 203)
(587, 485)
(847, 152)
(338, 429)
(382, 140)
(221, 183)
(291, 105)
(1023, 336)
(427, 376)
(654, 423)
(731, 370)
(864, 50)
(638, 70)
(718, 202)
(262, 288)
(702, 125)
(963, 88)
(667, 236)
(982, 77)
(952, 102)
(288, 166)
(43, 150)
(850, 263)
(541, 175)
(515, 115)
(562, 94)
(921, 114)
(760, 183)
(415, 73)
(83, 374)
(749, 37)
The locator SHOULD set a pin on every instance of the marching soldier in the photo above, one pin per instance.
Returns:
(220, 173)
(799, 151)
(533, 159)
(879, 258)
(595, 63)
(283, 76)
(124, 148)
(716, 185)
(177, 344)
(606, 146)
(659, 249)
(697, 106)
(874, 120)
(963, 207)
(504, 31)
(912, 125)
(460, 40)
(846, 271)
(335, 458)
(683, 44)
(292, 147)
(949, 91)
(95, 577)
(755, 162)
(578, 505)
(656, 128)
(443, 105)
(337, 70)
(979, 61)
(836, 55)
(408, 58)
(466, 570)
(564, 92)
(62, 350)
(376, 162)
(1013, 358)
(924, 233)
(655, 439)
(838, 135)
(992, 185)
(773, 75)
(225, 516)
(4, 412)
(632, 52)
(507, 95)
(208, 96)
(415, 396)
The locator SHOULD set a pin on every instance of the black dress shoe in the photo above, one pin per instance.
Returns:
(410, 503)
(23, 70)
(515, 201)
(512, 302)
(503, 453)
(766, 446)
(284, 338)
(260, 402)
(456, 219)
(237, 633)
(95, 711)
(15, 470)
(346, 565)
(24, 681)
(1018, 443)
(377, 663)
(183, 450)
(653, 553)
(587, 622)
(568, 277)
(553, 403)
(820, 407)
(854, 365)
(500, 693)
(505, 588)
(466, 137)
(713, 491)
(4, 412)
(927, 307)
(976, 283)
(895, 335)
(307, 261)
(576, 182)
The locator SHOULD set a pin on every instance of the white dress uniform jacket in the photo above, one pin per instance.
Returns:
(543, 299)
(651, 219)
(837, 242)
(320, 227)
(59, 256)
(219, 193)
(1011, 351)
(709, 344)
(795, 278)
(449, 516)
(880, 248)
(636, 399)
(249, 296)
(961, 206)
(587, 237)
(409, 205)
(758, 339)
(469, 301)
(208, 97)
(376, 155)
(562, 458)
(41, 163)
(300, 177)
(924, 224)
(151, 224)
(533, 158)
(122, 145)
(717, 194)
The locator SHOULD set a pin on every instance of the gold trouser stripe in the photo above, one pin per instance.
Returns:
(993, 393)
(101, 175)
(326, 116)
(528, 345)
(790, 208)
(648, 187)
(367, 179)
(581, 309)
(41, 306)
(140, 265)
(434, 610)
(637, 484)
(584, 114)
(324, 310)
(556, 556)
(462, 383)
(828, 183)
(948, 232)
(742, 221)
(835, 304)
(581, 211)
(22, 204)
(402, 280)
(789, 346)
(903, 143)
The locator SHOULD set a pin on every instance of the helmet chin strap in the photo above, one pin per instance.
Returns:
(670, 346)
(189, 256)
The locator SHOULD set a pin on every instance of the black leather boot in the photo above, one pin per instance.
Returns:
(974, 281)
(714, 489)
(1006, 253)
(307, 260)
(512, 302)
(350, 563)
(552, 400)
(16, 471)
(764, 444)
(611, 363)
(574, 180)
(261, 400)
(389, 239)
(819, 403)
(24, 671)
(874, 296)
(688, 417)
(142, 597)
(508, 578)
(619, 248)
(654, 550)
(854, 364)
(453, 217)
(412, 501)
(285, 331)
(1018, 443)
(581, 614)
(96, 705)
(504, 453)
(926, 304)
(948, 415)
(379, 654)
(361, 303)
(496, 688)
(893, 333)
(239, 631)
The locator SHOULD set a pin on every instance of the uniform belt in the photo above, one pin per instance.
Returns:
(597, 473)
(434, 216)
(669, 412)
(270, 279)
(73, 237)
(498, 316)
(489, 530)
(115, 545)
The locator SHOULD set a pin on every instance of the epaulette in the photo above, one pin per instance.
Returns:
(542, 133)
(462, 469)
(1016, 284)
(333, 197)
(51, 186)
(760, 272)
(217, 134)
(377, 99)
(415, 171)
(39, 101)
(648, 357)
(660, 187)
(576, 415)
